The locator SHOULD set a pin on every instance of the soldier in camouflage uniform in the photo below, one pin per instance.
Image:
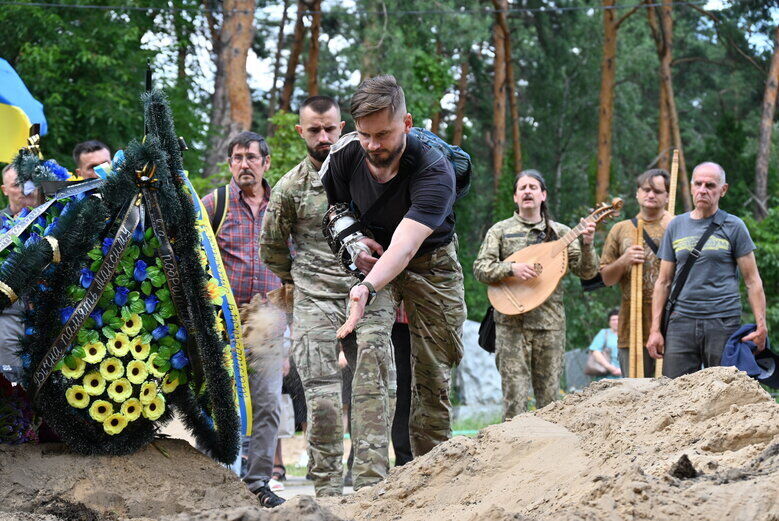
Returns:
(321, 288)
(404, 191)
(529, 347)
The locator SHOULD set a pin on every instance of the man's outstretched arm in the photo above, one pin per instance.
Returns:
(406, 240)
(748, 268)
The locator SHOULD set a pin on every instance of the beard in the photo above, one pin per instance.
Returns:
(320, 154)
(382, 162)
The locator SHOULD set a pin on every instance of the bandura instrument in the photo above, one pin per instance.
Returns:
(513, 296)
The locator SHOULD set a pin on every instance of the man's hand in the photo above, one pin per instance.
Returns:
(523, 271)
(364, 261)
(757, 336)
(589, 233)
(633, 255)
(615, 371)
(655, 344)
(358, 298)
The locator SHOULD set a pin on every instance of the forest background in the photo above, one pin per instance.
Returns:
(589, 93)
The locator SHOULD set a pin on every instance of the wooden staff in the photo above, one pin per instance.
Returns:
(636, 341)
(672, 211)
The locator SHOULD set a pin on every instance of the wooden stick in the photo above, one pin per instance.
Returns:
(639, 304)
(632, 339)
(672, 211)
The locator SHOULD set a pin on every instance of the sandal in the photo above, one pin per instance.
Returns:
(279, 475)
(268, 498)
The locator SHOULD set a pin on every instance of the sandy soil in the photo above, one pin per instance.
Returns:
(603, 454)
(701, 447)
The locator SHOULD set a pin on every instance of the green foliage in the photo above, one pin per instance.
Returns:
(287, 148)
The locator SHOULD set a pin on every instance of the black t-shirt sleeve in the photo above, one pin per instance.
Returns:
(336, 178)
(432, 194)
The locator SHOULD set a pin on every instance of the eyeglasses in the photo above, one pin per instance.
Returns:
(250, 158)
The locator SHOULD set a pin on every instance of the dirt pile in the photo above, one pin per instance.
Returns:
(605, 453)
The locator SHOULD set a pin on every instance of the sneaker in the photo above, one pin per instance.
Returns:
(268, 498)
(275, 485)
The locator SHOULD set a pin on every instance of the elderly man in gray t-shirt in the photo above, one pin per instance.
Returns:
(708, 308)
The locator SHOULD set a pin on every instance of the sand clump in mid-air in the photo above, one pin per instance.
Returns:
(605, 453)
(701, 447)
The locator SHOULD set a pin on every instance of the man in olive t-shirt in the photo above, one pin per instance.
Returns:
(708, 309)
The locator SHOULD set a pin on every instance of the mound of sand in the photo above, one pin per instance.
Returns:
(612, 451)
(701, 447)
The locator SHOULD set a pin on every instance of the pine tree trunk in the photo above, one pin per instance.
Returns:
(666, 23)
(502, 5)
(312, 65)
(606, 110)
(435, 122)
(459, 113)
(664, 118)
(766, 126)
(231, 111)
(285, 101)
(499, 97)
(277, 66)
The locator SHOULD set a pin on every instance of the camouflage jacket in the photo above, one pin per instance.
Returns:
(296, 207)
(513, 234)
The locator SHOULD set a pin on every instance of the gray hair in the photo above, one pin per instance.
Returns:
(718, 168)
(379, 93)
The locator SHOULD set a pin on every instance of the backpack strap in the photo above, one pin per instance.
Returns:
(649, 241)
(221, 205)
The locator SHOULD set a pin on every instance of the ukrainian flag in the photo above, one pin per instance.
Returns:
(18, 111)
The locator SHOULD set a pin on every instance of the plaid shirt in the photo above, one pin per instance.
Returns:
(239, 242)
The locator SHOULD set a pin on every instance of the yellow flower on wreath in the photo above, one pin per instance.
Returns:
(120, 390)
(136, 372)
(132, 409)
(148, 392)
(153, 368)
(77, 371)
(154, 410)
(111, 369)
(138, 349)
(95, 352)
(169, 386)
(94, 383)
(100, 410)
(215, 291)
(119, 345)
(132, 325)
(77, 396)
(114, 424)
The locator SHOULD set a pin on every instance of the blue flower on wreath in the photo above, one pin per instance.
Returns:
(120, 297)
(159, 332)
(107, 242)
(32, 239)
(59, 171)
(41, 221)
(97, 316)
(87, 276)
(65, 314)
(25, 211)
(30, 331)
(179, 360)
(181, 335)
(138, 234)
(50, 228)
(139, 273)
(151, 303)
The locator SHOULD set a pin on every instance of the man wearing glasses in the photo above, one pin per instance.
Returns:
(240, 213)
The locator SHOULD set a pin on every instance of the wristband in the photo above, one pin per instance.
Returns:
(371, 290)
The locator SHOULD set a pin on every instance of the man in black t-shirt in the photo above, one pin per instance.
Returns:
(414, 247)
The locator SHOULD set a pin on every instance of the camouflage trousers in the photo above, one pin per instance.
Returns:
(525, 357)
(431, 288)
(315, 350)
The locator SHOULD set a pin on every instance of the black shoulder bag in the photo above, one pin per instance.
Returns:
(487, 331)
(719, 218)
